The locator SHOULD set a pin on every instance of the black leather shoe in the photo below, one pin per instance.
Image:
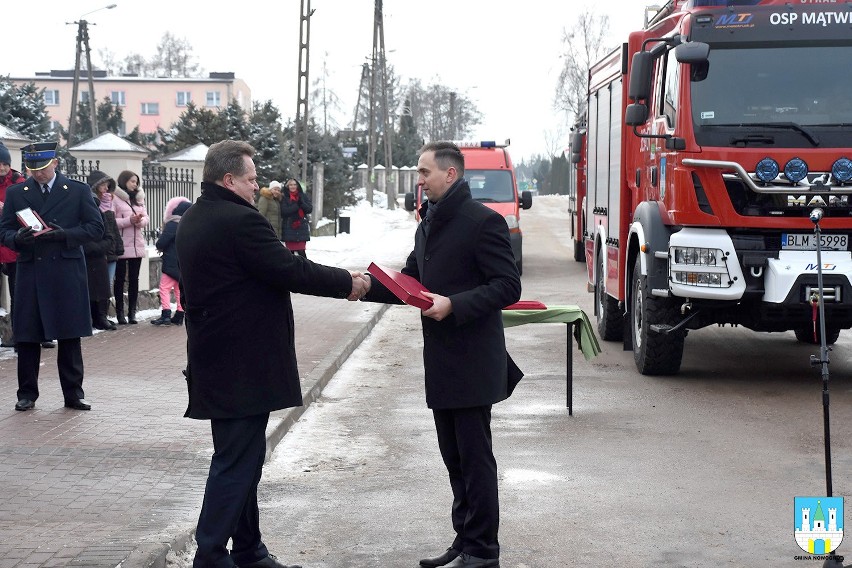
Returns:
(25, 404)
(442, 560)
(468, 561)
(80, 404)
(48, 344)
(269, 562)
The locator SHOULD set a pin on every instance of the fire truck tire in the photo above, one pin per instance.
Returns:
(806, 335)
(654, 353)
(610, 319)
(579, 251)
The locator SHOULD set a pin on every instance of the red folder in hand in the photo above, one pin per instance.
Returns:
(404, 287)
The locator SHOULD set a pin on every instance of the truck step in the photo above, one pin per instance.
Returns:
(661, 328)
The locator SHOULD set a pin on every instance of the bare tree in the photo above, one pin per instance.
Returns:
(174, 58)
(583, 45)
(135, 64)
(441, 113)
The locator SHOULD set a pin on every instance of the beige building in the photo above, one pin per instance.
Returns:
(146, 102)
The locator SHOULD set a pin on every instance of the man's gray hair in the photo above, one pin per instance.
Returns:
(226, 157)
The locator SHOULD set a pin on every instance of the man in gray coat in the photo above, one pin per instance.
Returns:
(463, 255)
(236, 278)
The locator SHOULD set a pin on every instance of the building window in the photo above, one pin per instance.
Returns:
(213, 99)
(84, 96)
(122, 128)
(183, 98)
(51, 97)
(117, 98)
(55, 126)
(150, 108)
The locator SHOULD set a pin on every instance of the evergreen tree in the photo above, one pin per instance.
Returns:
(22, 109)
(110, 118)
(407, 141)
(265, 134)
(194, 125)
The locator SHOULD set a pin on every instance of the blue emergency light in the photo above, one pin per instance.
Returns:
(766, 170)
(796, 170)
(842, 170)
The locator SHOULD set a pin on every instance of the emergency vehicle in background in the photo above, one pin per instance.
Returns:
(712, 135)
(490, 174)
(577, 188)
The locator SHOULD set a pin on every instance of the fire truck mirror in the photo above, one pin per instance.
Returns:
(636, 114)
(692, 52)
(640, 76)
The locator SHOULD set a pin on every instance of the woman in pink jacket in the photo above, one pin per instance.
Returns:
(131, 217)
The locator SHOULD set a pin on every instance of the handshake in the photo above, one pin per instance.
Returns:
(360, 285)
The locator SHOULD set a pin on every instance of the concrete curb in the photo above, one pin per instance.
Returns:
(153, 555)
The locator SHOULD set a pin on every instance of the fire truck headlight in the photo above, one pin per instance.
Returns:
(842, 170)
(796, 170)
(707, 279)
(766, 170)
(512, 221)
(695, 256)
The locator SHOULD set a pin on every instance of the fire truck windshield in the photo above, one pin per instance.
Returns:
(792, 95)
(490, 186)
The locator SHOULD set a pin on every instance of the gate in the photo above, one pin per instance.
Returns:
(161, 184)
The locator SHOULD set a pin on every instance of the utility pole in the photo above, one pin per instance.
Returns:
(83, 40)
(302, 98)
(378, 59)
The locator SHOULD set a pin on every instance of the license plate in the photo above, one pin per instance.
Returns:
(807, 241)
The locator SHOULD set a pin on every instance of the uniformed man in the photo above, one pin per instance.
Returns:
(46, 219)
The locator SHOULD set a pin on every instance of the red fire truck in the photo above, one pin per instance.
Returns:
(712, 135)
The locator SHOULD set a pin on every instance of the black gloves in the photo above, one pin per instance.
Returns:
(24, 237)
(55, 236)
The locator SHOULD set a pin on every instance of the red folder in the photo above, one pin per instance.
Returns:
(404, 287)
(526, 305)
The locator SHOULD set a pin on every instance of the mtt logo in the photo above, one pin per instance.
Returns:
(734, 21)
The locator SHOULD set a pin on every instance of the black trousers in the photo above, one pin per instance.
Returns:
(230, 498)
(126, 269)
(69, 361)
(464, 437)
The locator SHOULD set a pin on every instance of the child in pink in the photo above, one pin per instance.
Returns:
(171, 270)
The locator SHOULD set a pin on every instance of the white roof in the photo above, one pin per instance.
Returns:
(196, 153)
(109, 142)
(7, 133)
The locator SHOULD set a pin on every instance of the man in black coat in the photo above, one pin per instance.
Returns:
(463, 255)
(236, 279)
(51, 292)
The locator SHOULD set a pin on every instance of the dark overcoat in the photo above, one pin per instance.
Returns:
(467, 257)
(236, 278)
(97, 253)
(295, 227)
(51, 294)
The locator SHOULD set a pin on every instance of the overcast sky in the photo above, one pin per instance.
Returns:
(503, 54)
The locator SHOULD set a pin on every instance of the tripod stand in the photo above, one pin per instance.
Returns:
(833, 561)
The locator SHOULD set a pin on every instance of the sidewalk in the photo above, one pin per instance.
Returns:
(115, 485)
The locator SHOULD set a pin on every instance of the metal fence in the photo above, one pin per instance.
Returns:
(161, 184)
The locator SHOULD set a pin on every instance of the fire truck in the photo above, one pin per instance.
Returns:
(712, 137)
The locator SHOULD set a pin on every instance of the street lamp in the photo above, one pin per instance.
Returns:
(83, 39)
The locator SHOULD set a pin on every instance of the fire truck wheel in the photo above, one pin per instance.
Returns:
(654, 353)
(610, 319)
(806, 335)
(579, 251)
